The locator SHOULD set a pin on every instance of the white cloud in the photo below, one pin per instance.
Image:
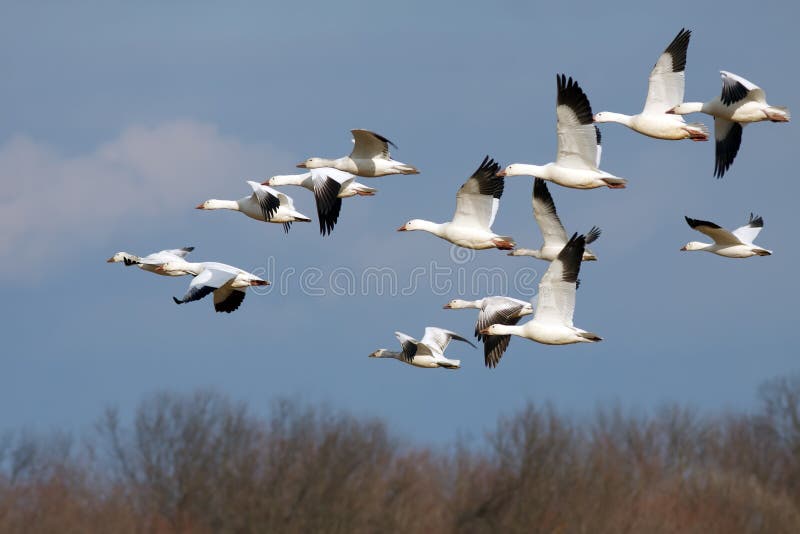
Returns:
(49, 203)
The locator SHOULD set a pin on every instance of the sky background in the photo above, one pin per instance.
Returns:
(116, 119)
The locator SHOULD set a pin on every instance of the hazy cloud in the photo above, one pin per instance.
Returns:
(50, 202)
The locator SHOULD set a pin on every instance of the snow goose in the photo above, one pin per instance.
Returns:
(578, 155)
(493, 310)
(555, 237)
(228, 283)
(555, 304)
(740, 102)
(151, 262)
(736, 244)
(477, 202)
(329, 186)
(265, 204)
(428, 353)
(370, 158)
(664, 92)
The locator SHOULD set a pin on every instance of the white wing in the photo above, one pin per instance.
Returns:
(577, 135)
(209, 279)
(736, 89)
(323, 173)
(544, 211)
(435, 341)
(180, 252)
(749, 232)
(556, 300)
(478, 199)
(667, 79)
(370, 145)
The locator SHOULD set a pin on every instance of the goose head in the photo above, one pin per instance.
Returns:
(378, 353)
(413, 224)
(693, 245)
(458, 304)
(116, 258)
(313, 163)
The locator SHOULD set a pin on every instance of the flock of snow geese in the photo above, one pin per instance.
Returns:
(477, 201)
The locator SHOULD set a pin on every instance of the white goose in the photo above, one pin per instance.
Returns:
(553, 232)
(151, 262)
(665, 91)
(578, 155)
(265, 204)
(477, 202)
(329, 186)
(555, 304)
(741, 102)
(736, 244)
(428, 353)
(493, 310)
(370, 158)
(228, 283)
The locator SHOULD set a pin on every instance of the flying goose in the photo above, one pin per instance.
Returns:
(578, 155)
(741, 102)
(493, 310)
(228, 283)
(427, 353)
(265, 204)
(555, 303)
(555, 237)
(736, 244)
(150, 262)
(477, 202)
(329, 186)
(370, 158)
(664, 92)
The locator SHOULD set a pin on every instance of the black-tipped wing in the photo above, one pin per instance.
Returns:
(577, 135)
(478, 199)
(194, 293)
(497, 310)
(736, 89)
(593, 234)
(749, 232)
(667, 79)
(180, 252)
(326, 193)
(544, 211)
(209, 280)
(408, 345)
(369, 145)
(228, 300)
(267, 199)
(728, 137)
(720, 235)
(556, 300)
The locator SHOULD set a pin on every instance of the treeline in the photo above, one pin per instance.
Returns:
(201, 463)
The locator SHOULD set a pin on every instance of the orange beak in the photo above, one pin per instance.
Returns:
(402, 229)
(301, 165)
(265, 183)
(501, 173)
(485, 332)
(199, 207)
(110, 260)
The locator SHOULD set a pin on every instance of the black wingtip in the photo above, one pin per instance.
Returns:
(678, 48)
(187, 249)
(756, 221)
(570, 94)
(176, 300)
(489, 182)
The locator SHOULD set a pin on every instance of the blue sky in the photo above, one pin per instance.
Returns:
(117, 119)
